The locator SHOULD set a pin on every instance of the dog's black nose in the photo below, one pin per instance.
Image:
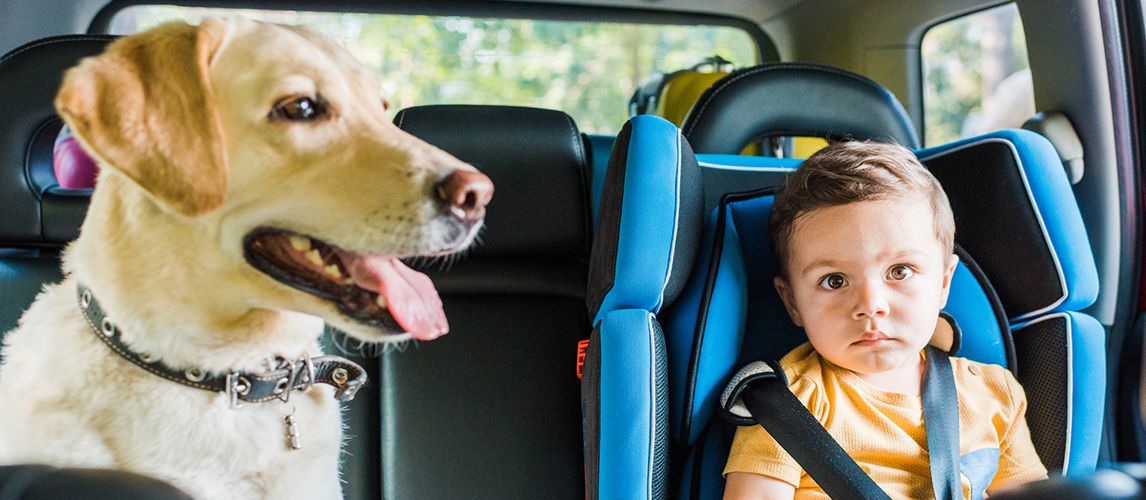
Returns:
(465, 194)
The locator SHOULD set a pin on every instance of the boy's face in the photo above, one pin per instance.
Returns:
(867, 281)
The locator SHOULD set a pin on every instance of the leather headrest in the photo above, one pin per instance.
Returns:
(37, 212)
(795, 99)
(538, 163)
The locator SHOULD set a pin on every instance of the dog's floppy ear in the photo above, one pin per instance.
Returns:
(146, 108)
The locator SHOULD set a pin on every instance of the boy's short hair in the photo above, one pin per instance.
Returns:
(848, 172)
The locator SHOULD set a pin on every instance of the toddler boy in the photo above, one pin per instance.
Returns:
(863, 236)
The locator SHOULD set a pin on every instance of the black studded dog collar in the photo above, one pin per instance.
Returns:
(240, 387)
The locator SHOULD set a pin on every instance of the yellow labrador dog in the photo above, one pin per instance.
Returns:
(251, 188)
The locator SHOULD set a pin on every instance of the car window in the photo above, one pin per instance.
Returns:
(587, 69)
(976, 75)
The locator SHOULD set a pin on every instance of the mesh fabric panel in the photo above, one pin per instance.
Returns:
(660, 450)
(1041, 349)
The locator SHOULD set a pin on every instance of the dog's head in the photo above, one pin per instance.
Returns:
(271, 146)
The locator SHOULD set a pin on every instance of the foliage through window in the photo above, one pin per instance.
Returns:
(587, 69)
(976, 76)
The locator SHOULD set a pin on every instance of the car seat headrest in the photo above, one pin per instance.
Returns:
(538, 162)
(37, 210)
(649, 221)
(795, 99)
(1010, 186)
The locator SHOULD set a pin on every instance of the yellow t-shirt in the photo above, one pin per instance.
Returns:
(883, 431)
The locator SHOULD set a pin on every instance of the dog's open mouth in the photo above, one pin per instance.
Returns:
(379, 291)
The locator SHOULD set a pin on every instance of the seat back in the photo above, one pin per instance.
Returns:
(490, 410)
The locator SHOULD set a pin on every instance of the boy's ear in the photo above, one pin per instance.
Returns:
(948, 273)
(789, 300)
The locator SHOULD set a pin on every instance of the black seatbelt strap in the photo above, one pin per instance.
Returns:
(766, 395)
(782, 414)
(941, 421)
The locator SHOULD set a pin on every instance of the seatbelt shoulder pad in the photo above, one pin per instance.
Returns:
(732, 404)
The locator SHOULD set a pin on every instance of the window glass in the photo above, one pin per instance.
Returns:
(587, 69)
(976, 76)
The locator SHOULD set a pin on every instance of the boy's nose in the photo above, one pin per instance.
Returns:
(871, 303)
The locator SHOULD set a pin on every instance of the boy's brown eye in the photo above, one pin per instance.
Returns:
(833, 282)
(900, 272)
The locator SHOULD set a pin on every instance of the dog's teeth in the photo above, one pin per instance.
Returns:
(313, 256)
(333, 271)
(381, 301)
(348, 281)
(300, 243)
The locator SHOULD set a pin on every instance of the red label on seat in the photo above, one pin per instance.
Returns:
(582, 346)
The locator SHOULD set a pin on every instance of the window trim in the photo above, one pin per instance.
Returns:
(765, 48)
(916, 109)
(915, 76)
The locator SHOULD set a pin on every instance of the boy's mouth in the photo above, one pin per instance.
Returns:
(873, 338)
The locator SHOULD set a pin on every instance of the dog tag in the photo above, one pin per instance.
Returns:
(293, 440)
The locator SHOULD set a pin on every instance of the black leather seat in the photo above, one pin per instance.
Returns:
(42, 482)
(491, 409)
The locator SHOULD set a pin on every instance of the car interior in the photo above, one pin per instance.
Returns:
(610, 315)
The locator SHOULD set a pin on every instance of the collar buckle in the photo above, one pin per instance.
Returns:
(237, 385)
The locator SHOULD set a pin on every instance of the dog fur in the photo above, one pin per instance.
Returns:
(182, 121)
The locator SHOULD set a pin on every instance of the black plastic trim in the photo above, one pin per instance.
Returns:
(996, 306)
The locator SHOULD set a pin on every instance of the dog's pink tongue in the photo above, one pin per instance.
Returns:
(410, 295)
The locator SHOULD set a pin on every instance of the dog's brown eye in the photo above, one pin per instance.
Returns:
(299, 109)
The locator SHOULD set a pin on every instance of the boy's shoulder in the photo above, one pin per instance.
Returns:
(986, 380)
(801, 362)
(805, 378)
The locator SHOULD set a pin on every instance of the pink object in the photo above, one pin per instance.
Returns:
(74, 168)
(410, 295)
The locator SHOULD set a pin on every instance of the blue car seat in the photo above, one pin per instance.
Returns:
(729, 314)
(652, 203)
(1041, 275)
(1014, 203)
